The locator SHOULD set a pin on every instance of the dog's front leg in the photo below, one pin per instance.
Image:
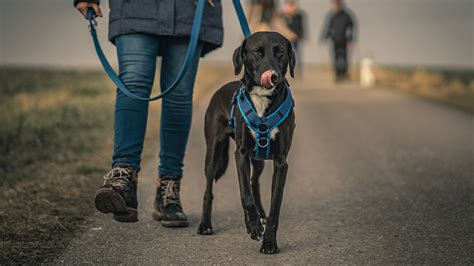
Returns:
(252, 217)
(269, 245)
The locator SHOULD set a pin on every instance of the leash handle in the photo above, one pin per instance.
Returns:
(90, 14)
(91, 18)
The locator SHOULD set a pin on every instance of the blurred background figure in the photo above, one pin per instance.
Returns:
(263, 16)
(295, 20)
(340, 28)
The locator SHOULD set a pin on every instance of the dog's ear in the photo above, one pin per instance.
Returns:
(239, 58)
(291, 59)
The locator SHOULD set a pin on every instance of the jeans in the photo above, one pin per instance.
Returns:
(137, 55)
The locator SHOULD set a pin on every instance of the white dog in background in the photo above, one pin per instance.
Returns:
(367, 77)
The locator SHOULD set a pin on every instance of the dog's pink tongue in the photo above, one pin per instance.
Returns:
(266, 79)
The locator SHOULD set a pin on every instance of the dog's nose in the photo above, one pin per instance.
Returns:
(275, 77)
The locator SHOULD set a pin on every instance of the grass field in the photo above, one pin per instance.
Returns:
(55, 141)
(454, 87)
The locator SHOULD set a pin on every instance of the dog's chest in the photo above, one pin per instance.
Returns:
(259, 98)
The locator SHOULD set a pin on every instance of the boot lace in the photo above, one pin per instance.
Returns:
(118, 177)
(170, 189)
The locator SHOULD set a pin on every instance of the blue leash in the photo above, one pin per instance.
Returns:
(244, 25)
(189, 55)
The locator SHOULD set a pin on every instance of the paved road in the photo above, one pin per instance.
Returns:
(375, 177)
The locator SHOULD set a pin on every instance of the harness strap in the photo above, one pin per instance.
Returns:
(262, 126)
(232, 109)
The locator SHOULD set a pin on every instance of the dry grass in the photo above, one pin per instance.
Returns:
(453, 87)
(54, 145)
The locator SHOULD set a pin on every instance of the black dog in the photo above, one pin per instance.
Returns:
(266, 57)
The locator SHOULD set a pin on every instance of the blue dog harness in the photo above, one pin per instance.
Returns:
(262, 126)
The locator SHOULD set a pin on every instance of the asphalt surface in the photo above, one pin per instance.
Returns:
(375, 176)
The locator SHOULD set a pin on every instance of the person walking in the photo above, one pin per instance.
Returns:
(341, 29)
(295, 20)
(263, 16)
(141, 31)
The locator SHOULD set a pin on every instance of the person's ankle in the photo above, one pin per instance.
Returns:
(166, 178)
(170, 178)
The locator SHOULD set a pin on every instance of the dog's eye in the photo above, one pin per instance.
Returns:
(259, 52)
(278, 52)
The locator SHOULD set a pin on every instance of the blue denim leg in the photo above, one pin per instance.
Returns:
(137, 63)
(177, 106)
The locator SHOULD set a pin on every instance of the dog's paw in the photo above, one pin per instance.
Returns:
(269, 247)
(205, 229)
(255, 229)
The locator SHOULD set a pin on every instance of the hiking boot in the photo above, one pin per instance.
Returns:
(168, 208)
(118, 194)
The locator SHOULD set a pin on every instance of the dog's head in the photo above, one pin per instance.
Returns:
(266, 57)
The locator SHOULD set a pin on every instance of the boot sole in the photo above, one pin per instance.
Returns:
(176, 223)
(109, 201)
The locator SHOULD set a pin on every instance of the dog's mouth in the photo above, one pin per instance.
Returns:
(268, 79)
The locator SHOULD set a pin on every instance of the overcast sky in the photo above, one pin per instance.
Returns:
(399, 32)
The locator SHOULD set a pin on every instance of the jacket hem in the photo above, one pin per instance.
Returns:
(212, 37)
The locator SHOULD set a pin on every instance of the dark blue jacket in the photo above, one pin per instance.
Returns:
(340, 26)
(165, 18)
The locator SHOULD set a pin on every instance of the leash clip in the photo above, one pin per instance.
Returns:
(92, 23)
(91, 18)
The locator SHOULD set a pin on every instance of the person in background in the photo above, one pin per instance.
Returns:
(263, 16)
(295, 20)
(340, 28)
(141, 31)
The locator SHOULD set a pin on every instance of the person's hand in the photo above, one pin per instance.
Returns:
(83, 6)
